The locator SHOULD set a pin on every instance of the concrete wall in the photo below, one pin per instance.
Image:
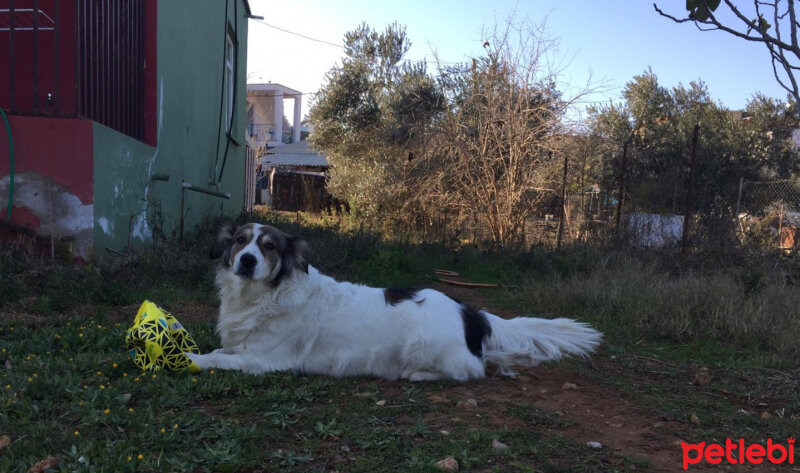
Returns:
(92, 187)
(131, 208)
(53, 190)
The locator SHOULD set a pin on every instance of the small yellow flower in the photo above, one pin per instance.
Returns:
(154, 376)
(124, 375)
(130, 458)
(114, 365)
(35, 375)
(76, 433)
(30, 380)
(136, 380)
(139, 456)
(130, 409)
(99, 373)
(106, 411)
(175, 426)
(80, 335)
(212, 371)
(102, 387)
(162, 430)
(194, 380)
(8, 386)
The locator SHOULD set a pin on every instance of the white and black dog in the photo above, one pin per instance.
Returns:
(278, 313)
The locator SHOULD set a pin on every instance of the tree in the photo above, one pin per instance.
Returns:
(370, 116)
(772, 23)
(494, 145)
(658, 124)
(472, 145)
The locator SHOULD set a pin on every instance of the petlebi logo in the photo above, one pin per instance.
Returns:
(738, 453)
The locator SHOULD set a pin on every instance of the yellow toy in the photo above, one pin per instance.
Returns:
(156, 340)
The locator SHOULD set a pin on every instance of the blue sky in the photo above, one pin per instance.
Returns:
(605, 41)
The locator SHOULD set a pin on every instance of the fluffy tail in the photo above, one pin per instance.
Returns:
(527, 341)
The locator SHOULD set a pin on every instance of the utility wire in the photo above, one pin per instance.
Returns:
(340, 46)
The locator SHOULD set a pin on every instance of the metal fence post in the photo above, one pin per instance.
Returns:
(690, 191)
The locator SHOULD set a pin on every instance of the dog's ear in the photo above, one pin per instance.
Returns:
(296, 254)
(223, 242)
(293, 258)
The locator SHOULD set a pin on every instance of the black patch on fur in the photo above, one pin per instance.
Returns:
(395, 295)
(292, 259)
(223, 243)
(476, 329)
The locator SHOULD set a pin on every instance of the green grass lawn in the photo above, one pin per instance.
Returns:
(68, 388)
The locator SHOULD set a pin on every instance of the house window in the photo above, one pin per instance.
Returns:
(230, 54)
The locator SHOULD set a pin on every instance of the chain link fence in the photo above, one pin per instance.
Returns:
(768, 213)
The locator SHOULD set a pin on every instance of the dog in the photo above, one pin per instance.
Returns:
(278, 313)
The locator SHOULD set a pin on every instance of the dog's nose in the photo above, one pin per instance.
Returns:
(248, 260)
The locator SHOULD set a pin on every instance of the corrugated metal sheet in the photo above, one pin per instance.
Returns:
(294, 155)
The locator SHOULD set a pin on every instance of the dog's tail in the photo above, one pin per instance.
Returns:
(527, 341)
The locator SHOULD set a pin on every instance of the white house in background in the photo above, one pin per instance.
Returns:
(265, 120)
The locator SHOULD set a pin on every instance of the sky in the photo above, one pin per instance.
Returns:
(603, 43)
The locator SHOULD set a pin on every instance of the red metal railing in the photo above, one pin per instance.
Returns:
(75, 58)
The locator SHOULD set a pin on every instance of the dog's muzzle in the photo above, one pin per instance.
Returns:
(247, 264)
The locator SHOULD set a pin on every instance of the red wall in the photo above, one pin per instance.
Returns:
(59, 148)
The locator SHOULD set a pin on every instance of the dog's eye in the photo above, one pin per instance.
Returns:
(241, 240)
(269, 245)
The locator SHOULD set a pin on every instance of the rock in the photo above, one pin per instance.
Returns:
(498, 445)
(766, 416)
(468, 404)
(702, 378)
(694, 419)
(448, 464)
(381, 403)
(569, 387)
(444, 432)
(48, 463)
(594, 444)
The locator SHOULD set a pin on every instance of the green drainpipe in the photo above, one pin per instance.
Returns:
(11, 165)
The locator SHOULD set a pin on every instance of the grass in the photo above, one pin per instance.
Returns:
(68, 389)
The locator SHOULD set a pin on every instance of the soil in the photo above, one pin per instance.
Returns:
(594, 413)
(591, 412)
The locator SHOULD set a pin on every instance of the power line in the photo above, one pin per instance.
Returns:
(300, 34)
(329, 43)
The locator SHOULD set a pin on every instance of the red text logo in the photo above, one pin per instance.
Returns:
(738, 453)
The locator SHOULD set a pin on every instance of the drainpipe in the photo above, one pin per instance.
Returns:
(11, 165)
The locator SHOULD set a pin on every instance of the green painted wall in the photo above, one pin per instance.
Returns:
(130, 207)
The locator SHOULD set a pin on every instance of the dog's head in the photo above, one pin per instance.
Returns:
(259, 252)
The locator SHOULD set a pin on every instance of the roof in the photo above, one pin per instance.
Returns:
(297, 154)
(271, 89)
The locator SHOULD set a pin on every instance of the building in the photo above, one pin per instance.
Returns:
(266, 124)
(126, 116)
(293, 178)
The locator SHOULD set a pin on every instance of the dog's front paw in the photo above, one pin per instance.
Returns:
(200, 360)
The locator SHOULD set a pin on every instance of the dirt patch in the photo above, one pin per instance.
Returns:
(591, 412)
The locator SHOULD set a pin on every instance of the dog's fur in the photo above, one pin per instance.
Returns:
(278, 313)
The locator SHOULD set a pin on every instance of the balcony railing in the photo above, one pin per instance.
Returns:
(263, 132)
